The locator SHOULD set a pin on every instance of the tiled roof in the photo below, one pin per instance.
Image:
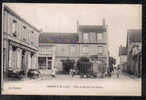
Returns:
(92, 28)
(122, 51)
(134, 35)
(53, 37)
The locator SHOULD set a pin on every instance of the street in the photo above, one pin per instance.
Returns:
(66, 85)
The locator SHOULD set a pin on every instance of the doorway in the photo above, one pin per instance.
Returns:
(49, 62)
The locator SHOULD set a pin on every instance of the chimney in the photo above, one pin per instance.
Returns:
(77, 23)
(103, 22)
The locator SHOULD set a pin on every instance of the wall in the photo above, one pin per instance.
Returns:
(123, 59)
(65, 50)
(12, 21)
(62, 51)
(20, 32)
(93, 38)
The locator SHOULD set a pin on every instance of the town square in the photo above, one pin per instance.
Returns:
(49, 49)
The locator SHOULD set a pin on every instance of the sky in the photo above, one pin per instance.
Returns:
(63, 17)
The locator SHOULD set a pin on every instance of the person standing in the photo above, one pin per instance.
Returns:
(53, 74)
(118, 72)
(72, 72)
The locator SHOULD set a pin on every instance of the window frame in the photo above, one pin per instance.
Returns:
(99, 35)
(86, 37)
(42, 59)
(14, 25)
(100, 49)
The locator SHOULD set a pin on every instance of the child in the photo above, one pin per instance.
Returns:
(72, 72)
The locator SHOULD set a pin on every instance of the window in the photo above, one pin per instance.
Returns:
(85, 49)
(100, 49)
(32, 32)
(14, 27)
(42, 61)
(99, 36)
(24, 27)
(72, 49)
(139, 48)
(31, 35)
(86, 37)
(24, 33)
(49, 64)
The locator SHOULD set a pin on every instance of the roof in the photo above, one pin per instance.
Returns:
(134, 35)
(17, 16)
(92, 28)
(122, 51)
(53, 37)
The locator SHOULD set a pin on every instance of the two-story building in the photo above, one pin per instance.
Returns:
(88, 41)
(20, 42)
(54, 47)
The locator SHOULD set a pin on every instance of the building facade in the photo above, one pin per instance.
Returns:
(20, 42)
(55, 47)
(88, 41)
(134, 47)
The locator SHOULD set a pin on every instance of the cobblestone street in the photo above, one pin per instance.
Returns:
(65, 84)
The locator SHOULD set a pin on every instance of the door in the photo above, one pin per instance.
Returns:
(49, 62)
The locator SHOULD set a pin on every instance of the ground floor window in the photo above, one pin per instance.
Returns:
(42, 61)
(45, 62)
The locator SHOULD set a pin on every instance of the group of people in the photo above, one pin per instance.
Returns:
(72, 72)
(115, 70)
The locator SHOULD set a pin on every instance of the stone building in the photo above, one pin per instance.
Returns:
(88, 41)
(134, 47)
(20, 42)
(54, 47)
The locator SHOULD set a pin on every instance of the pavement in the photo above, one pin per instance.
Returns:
(67, 85)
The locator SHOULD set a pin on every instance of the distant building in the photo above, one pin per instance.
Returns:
(123, 58)
(20, 42)
(89, 40)
(134, 47)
